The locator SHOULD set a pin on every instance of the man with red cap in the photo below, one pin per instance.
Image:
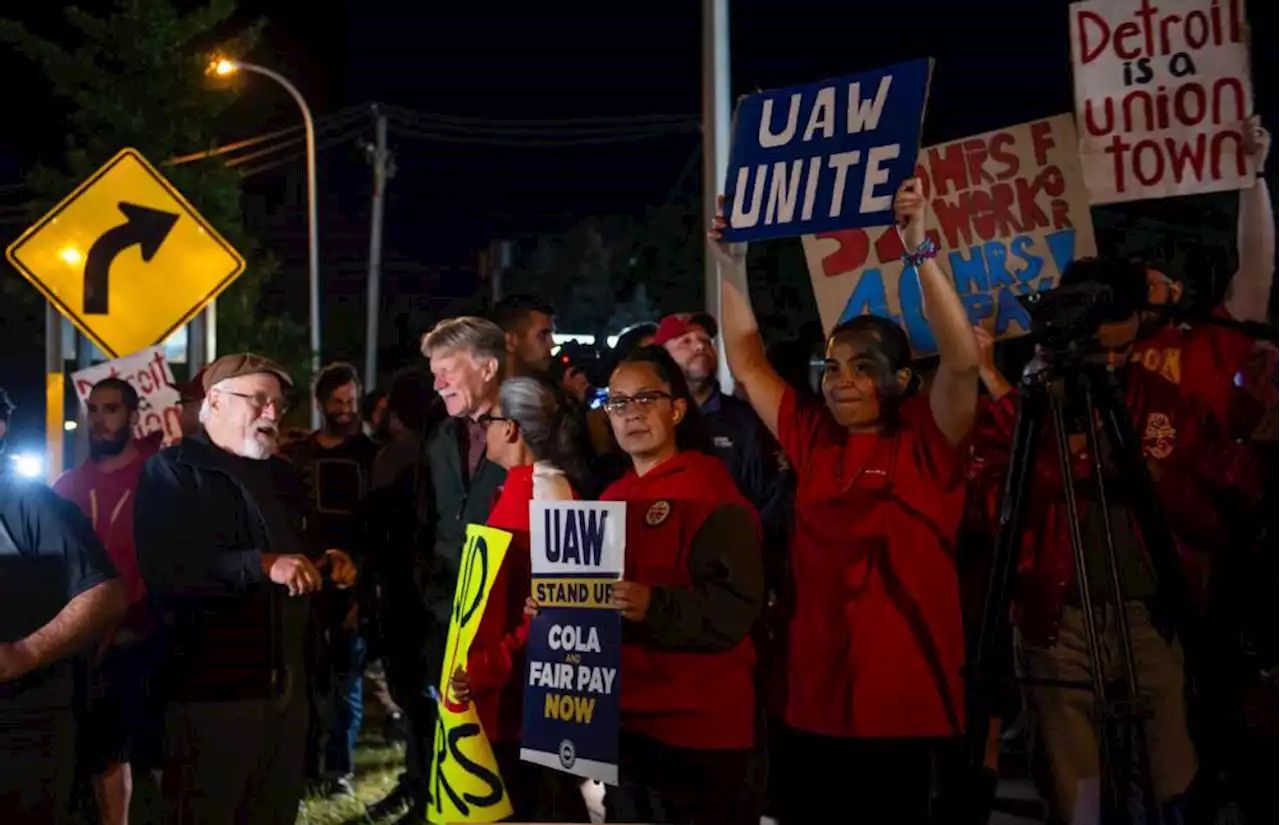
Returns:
(740, 440)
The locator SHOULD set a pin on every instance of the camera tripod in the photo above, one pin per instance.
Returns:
(1126, 793)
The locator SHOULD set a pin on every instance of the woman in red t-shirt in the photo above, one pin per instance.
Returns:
(532, 434)
(691, 592)
(874, 642)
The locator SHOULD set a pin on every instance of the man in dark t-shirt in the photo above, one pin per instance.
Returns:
(334, 464)
(59, 592)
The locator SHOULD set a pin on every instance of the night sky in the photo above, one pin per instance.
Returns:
(998, 64)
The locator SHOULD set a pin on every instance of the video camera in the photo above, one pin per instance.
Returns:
(1092, 292)
(574, 355)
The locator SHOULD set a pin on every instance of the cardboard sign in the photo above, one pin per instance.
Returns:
(1008, 212)
(572, 684)
(148, 372)
(823, 156)
(1162, 93)
(466, 785)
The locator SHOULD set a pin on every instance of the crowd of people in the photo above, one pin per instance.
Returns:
(794, 616)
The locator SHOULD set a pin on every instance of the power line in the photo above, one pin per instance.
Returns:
(297, 156)
(536, 143)
(342, 117)
(549, 132)
(597, 122)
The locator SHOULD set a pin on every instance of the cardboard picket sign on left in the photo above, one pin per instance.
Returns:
(147, 371)
(466, 785)
(1008, 211)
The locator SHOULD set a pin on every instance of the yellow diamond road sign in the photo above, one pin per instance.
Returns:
(125, 257)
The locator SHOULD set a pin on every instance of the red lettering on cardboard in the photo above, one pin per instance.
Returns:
(1158, 34)
(1000, 144)
(850, 255)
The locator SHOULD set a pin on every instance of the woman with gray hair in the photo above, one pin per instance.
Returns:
(533, 434)
(541, 418)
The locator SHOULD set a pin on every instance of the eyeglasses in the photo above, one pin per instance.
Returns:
(259, 401)
(643, 401)
(486, 419)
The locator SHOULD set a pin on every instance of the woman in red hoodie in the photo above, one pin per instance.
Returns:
(691, 592)
(875, 642)
(533, 435)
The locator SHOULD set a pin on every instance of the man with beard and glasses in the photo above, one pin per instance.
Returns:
(740, 440)
(116, 729)
(751, 455)
(223, 545)
(335, 464)
(59, 592)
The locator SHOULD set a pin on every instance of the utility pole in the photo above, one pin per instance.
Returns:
(715, 145)
(84, 360)
(55, 389)
(499, 261)
(198, 352)
(383, 170)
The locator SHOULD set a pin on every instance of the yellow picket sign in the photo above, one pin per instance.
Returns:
(466, 784)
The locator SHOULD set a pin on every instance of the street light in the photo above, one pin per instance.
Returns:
(225, 67)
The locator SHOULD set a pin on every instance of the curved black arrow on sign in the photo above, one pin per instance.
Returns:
(144, 227)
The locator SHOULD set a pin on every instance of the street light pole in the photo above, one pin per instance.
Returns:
(227, 67)
(715, 145)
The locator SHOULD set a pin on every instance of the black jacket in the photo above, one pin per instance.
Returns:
(201, 531)
(756, 462)
(456, 500)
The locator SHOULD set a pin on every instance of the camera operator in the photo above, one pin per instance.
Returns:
(1179, 385)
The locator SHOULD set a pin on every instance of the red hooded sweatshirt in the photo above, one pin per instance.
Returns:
(694, 687)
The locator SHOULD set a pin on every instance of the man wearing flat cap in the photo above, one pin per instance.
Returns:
(220, 529)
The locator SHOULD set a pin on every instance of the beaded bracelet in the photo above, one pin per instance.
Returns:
(925, 251)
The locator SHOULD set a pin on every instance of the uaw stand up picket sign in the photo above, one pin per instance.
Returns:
(571, 709)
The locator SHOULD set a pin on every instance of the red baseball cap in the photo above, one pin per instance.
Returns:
(674, 326)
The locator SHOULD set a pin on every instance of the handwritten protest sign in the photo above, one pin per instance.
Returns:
(823, 156)
(1162, 93)
(1008, 212)
(148, 372)
(466, 785)
(575, 641)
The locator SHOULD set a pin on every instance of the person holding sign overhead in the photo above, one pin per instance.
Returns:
(692, 590)
(533, 435)
(874, 643)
